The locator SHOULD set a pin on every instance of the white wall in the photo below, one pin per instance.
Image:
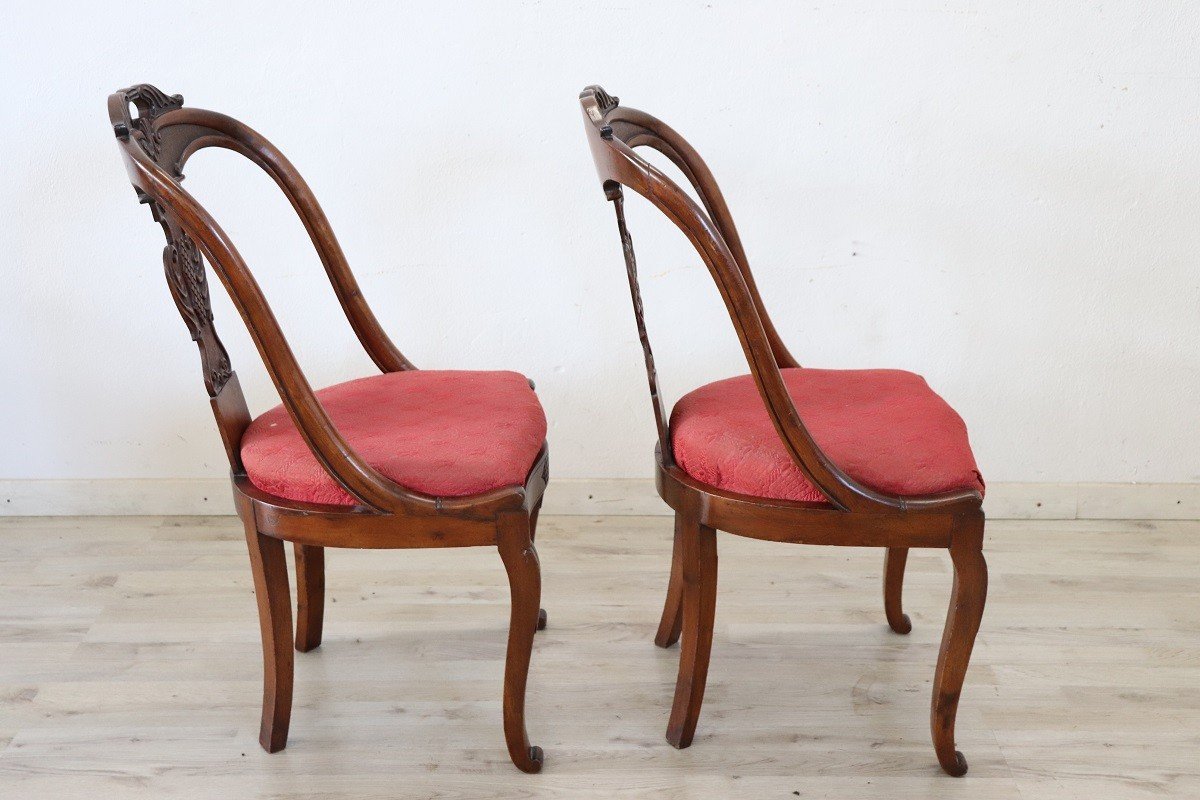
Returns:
(1001, 196)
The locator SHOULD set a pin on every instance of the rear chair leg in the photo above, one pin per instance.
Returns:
(699, 557)
(962, 623)
(525, 581)
(671, 623)
(269, 566)
(310, 596)
(533, 520)
(893, 586)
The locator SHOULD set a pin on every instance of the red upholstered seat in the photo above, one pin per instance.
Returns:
(885, 428)
(443, 433)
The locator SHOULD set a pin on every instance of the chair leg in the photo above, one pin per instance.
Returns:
(525, 581)
(699, 557)
(269, 566)
(671, 623)
(533, 520)
(962, 623)
(310, 596)
(893, 586)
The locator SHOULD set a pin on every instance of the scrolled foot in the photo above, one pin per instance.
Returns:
(536, 759)
(901, 625)
(956, 768)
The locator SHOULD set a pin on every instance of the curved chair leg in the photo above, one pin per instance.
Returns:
(275, 619)
(310, 596)
(525, 581)
(893, 586)
(699, 557)
(533, 520)
(672, 616)
(962, 623)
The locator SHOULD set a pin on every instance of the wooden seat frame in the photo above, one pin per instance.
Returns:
(854, 515)
(156, 143)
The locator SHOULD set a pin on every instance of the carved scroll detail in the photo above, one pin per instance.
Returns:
(604, 100)
(151, 102)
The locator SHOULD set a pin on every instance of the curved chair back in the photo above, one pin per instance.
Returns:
(613, 131)
(157, 135)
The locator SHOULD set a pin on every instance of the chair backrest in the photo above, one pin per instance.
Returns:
(156, 143)
(613, 131)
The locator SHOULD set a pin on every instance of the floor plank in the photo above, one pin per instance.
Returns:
(129, 668)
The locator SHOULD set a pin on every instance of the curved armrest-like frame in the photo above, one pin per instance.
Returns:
(612, 133)
(155, 145)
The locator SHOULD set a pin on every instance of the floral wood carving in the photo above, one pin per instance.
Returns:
(151, 102)
(182, 259)
(184, 267)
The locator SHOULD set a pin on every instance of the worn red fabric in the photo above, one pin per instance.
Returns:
(440, 432)
(885, 428)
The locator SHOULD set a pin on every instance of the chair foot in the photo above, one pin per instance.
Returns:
(525, 583)
(310, 596)
(699, 590)
(959, 768)
(541, 625)
(269, 566)
(958, 639)
(671, 623)
(893, 585)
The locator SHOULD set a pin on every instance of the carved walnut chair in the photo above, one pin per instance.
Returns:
(813, 456)
(407, 458)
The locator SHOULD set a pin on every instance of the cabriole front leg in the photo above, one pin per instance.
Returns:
(962, 623)
(525, 582)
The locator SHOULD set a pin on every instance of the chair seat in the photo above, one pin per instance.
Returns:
(885, 428)
(439, 432)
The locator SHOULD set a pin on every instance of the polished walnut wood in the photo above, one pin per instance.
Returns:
(854, 514)
(157, 135)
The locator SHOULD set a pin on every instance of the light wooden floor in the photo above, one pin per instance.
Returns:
(129, 667)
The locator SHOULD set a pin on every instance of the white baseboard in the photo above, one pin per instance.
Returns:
(1003, 501)
(589, 498)
(120, 497)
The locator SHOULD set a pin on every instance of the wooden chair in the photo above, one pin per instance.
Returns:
(365, 464)
(854, 457)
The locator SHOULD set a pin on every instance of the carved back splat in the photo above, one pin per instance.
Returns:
(156, 144)
(613, 131)
(613, 192)
(182, 261)
(188, 282)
